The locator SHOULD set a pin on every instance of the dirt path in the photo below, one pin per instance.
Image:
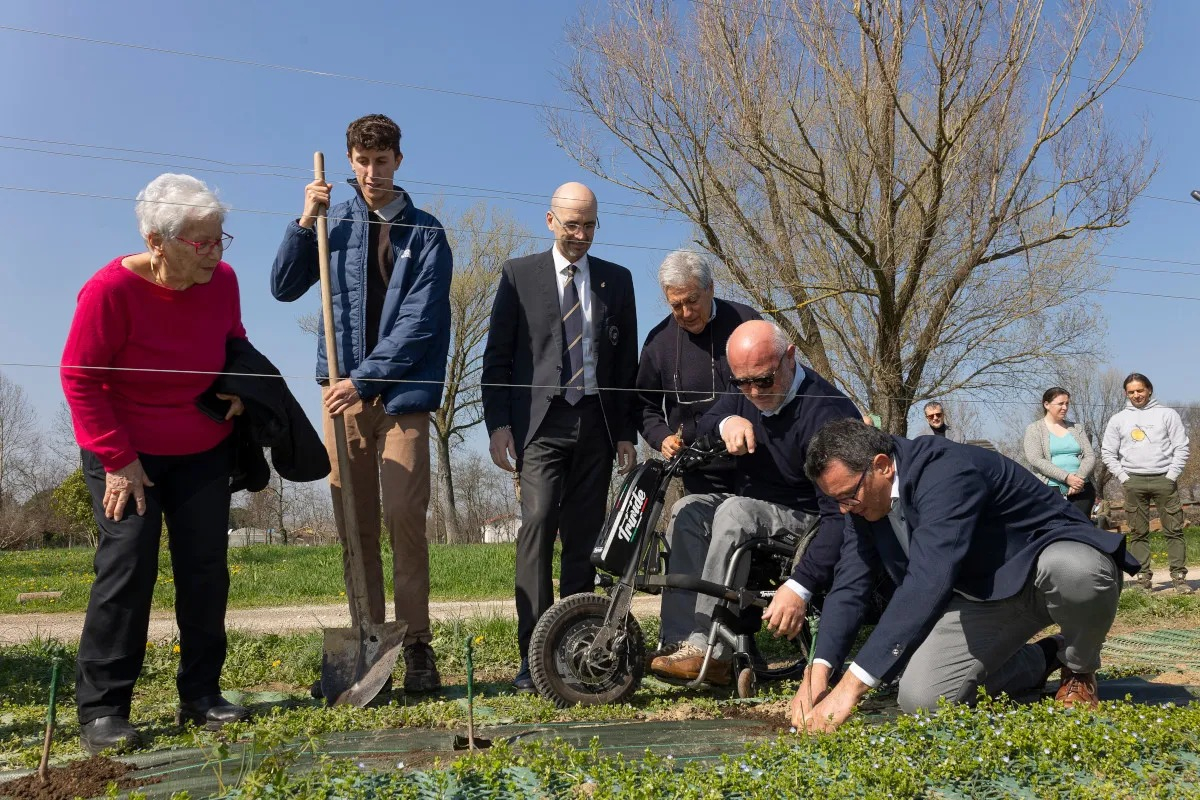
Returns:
(16, 628)
(66, 626)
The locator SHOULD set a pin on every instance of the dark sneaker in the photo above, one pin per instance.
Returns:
(108, 733)
(1181, 586)
(523, 683)
(420, 669)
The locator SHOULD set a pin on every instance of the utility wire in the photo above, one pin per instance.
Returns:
(1013, 282)
(664, 214)
(288, 68)
(408, 381)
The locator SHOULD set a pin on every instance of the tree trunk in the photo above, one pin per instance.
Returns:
(279, 512)
(446, 496)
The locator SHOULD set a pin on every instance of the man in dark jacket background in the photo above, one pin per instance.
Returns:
(390, 272)
(683, 370)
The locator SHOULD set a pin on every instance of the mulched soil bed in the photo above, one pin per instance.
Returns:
(87, 778)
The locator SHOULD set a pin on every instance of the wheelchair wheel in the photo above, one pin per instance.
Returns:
(793, 668)
(563, 669)
(747, 683)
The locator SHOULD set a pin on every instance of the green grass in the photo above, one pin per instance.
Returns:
(995, 750)
(1031, 751)
(277, 670)
(261, 575)
(278, 575)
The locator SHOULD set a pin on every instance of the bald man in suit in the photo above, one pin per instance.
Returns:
(560, 359)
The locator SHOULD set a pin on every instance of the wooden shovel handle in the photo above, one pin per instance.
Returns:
(356, 587)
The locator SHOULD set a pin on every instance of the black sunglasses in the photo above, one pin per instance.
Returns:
(760, 382)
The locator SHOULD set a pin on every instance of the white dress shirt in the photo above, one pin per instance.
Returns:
(583, 285)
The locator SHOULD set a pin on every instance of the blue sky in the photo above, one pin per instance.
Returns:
(85, 93)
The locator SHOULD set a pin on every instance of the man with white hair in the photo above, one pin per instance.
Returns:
(767, 427)
(683, 369)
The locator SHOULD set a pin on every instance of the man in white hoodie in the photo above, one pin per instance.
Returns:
(1146, 447)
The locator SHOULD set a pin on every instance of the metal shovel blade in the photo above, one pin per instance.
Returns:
(356, 662)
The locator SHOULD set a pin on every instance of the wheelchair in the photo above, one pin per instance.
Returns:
(589, 649)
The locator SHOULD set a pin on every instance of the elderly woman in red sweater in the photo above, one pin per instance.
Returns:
(149, 331)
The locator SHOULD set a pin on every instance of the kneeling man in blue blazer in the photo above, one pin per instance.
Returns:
(983, 555)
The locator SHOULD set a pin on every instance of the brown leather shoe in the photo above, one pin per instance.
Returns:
(1078, 689)
(665, 650)
(684, 664)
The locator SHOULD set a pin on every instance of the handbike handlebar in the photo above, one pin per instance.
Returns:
(698, 453)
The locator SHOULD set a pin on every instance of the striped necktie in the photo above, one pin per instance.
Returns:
(572, 318)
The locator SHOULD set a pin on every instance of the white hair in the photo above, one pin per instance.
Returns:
(780, 340)
(682, 267)
(171, 200)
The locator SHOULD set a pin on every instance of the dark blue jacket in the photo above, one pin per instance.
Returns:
(414, 330)
(775, 470)
(977, 522)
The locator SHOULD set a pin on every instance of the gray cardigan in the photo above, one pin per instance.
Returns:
(1037, 452)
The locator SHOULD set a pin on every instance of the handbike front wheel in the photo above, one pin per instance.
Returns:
(567, 670)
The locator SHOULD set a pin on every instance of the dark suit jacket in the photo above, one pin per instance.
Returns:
(977, 522)
(272, 419)
(522, 361)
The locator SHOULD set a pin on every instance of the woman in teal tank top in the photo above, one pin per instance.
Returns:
(1058, 451)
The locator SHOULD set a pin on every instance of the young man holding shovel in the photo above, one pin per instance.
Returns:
(390, 270)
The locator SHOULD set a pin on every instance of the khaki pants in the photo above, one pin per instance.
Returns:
(389, 469)
(1140, 492)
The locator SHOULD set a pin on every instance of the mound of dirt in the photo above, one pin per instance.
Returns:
(87, 778)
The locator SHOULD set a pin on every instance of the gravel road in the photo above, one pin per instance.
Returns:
(66, 626)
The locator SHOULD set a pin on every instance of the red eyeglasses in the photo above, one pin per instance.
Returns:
(208, 248)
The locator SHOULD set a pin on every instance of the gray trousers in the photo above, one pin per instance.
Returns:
(978, 644)
(703, 532)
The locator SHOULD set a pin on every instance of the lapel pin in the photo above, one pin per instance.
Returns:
(602, 284)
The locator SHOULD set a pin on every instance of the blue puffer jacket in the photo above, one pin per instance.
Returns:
(414, 331)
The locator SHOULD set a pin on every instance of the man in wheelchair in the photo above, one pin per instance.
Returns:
(767, 425)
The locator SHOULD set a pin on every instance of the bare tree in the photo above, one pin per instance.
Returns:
(912, 189)
(482, 241)
(313, 510)
(1096, 394)
(19, 442)
(483, 494)
(60, 439)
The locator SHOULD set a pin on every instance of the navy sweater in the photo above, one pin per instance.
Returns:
(774, 472)
(696, 361)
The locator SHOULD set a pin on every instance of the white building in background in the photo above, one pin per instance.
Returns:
(240, 537)
(501, 529)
